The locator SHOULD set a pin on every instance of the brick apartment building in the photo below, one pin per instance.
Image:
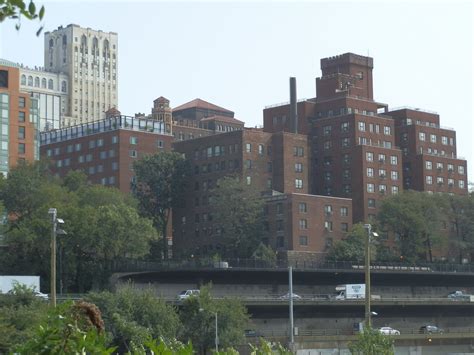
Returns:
(363, 151)
(105, 150)
(277, 165)
(19, 120)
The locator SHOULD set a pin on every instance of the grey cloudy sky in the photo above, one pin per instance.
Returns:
(240, 54)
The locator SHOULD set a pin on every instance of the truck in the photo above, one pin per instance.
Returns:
(350, 292)
(7, 284)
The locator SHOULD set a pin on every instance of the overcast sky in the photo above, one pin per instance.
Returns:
(239, 55)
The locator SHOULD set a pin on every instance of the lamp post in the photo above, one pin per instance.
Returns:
(216, 334)
(368, 320)
(55, 220)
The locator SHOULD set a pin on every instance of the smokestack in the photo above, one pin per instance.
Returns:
(293, 107)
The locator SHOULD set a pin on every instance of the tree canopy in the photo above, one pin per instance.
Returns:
(15, 9)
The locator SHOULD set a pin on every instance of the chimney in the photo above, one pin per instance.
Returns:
(293, 106)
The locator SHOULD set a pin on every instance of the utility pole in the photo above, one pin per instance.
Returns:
(290, 280)
(53, 212)
(368, 297)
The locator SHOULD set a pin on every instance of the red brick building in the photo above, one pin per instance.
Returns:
(19, 120)
(105, 150)
(363, 151)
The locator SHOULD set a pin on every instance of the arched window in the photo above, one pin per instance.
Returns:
(95, 47)
(51, 43)
(75, 49)
(84, 45)
(30, 80)
(43, 83)
(37, 82)
(23, 79)
(106, 52)
(63, 86)
(64, 40)
(50, 84)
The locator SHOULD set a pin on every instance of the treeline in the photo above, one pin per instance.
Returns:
(415, 227)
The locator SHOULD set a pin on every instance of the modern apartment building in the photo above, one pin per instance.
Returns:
(105, 150)
(19, 120)
(360, 149)
(52, 92)
(90, 60)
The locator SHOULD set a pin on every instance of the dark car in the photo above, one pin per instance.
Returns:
(431, 329)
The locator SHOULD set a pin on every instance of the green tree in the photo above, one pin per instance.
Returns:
(15, 9)
(265, 254)
(352, 247)
(372, 342)
(198, 319)
(238, 208)
(133, 316)
(415, 218)
(160, 182)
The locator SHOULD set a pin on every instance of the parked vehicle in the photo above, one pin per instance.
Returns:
(187, 293)
(350, 291)
(431, 329)
(286, 296)
(458, 295)
(389, 331)
(252, 333)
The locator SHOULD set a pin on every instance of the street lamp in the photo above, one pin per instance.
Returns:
(216, 336)
(368, 313)
(54, 220)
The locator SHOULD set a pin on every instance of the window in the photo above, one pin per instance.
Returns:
(327, 130)
(303, 240)
(114, 139)
(344, 211)
(382, 173)
(461, 184)
(100, 168)
(328, 226)
(57, 150)
(450, 182)
(302, 208)
(382, 189)
(369, 156)
(103, 155)
(371, 203)
(248, 164)
(100, 142)
(269, 167)
(361, 126)
(21, 148)
(370, 188)
(21, 116)
(160, 143)
(387, 130)
(382, 158)
(59, 163)
(91, 144)
(328, 209)
(461, 170)
(450, 168)
(248, 180)
(345, 127)
(428, 165)
(346, 159)
(132, 153)
(114, 166)
(303, 224)
(344, 227)
(327, 145)
(269, 183)
(70, 148)
(298, 183)
(394, 175)
(21, 102)
(133, 140)
(346, 174)
(444, 140)
(298, 167)
(394, 190)
(21, 132)
(433, 138)
(345, 142)
(439, 166)
(298, 151)
(440, 180)
(92, 170)
(393, 160)
(248, 147)
(429, 180)
(261, 149)
(422, 136)
(370, 172)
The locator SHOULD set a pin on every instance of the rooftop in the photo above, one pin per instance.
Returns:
(198, 103)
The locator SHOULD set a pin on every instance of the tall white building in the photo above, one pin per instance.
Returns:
(90, 59)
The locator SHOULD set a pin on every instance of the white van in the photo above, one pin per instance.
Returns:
(187, 293)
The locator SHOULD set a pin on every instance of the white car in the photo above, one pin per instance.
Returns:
(183, 295)
(286, 296)
(389, 331)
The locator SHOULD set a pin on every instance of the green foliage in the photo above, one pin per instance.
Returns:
(133, 316)
(266, 254)
(238, 208)
(15, 9)
(352, 247)
(102, 225)
(267, 348)
(415, 218)
(69, 329)
(198, 319)
(162, 347)
(159, 187)
(372, 342)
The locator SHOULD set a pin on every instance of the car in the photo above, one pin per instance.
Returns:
(457, 295)
(183, 295)
(42, 295)
(431, 329)
(286, 296)
(389, 331)
(252, 333)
